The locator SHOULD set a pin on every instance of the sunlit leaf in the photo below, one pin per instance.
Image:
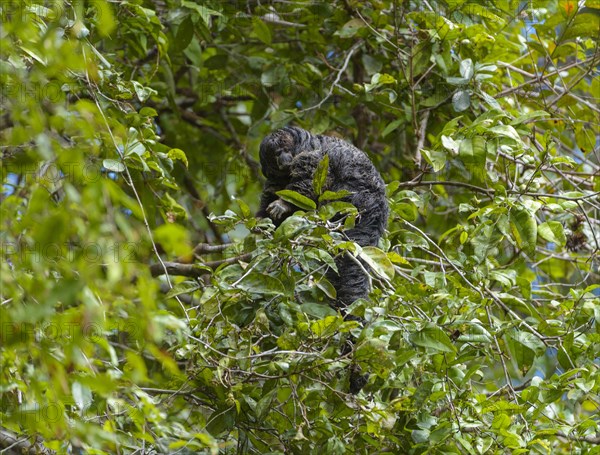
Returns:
(552, 231)
(378, 261)
(461, 100)
(297, 199)
(113, 165)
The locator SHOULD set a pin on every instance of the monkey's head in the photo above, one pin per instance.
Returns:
(278, 149)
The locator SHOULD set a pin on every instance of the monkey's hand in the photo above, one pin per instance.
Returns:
(279, 209)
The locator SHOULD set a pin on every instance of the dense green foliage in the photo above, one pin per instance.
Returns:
(129, 133)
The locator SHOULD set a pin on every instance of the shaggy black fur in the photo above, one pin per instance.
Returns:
(289, 158)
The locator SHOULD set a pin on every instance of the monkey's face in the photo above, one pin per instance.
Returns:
(284, 159)
(277, 151)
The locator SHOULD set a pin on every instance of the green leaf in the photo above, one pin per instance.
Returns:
(264, 404)
(423, 392)
(407, 210)
(321, 256)
(450, 144)
(501, 421)
(143, 92)
(433, 337)
(201, 10)
(584, 25)
(436, 159)
(297, 199)
(178, 154)
(318, 310)
(466, 69)
(485, 11)
(221, 420)
(552, 231)
(472, 153)
(105, 17)
(261, 30)
(506, 277)
(185, 33)
(174, 238)
(378, 261)
(113, 165)
(335, 446)
(326, 326)
(135, 147)
(291, 227)
(524, 228)
(391, 127)
(461, 100)
(373, 352)
(258, 283)
(382, 79)
(585, 138)
(273, 76)
(372, 64)
(490, 100)
(350, 28)
(524, 347)
(327, 288)
(524, 118)
(245, 209)
(336, 208)
(507, 131)
(187, 287)
(420, 436)
(334, 195)
(320, 176)
(148, 112)
(457, 80)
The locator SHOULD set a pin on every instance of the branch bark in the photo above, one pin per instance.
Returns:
(11, 444)
(193, 270)
(421, 138)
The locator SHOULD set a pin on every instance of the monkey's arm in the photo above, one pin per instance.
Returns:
(302, 171)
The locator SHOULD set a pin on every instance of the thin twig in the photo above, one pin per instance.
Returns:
(422, 137)
(588, 439)
(541, 78)
(336, 81)
(129, 180)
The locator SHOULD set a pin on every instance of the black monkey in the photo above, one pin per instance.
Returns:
(289, 158)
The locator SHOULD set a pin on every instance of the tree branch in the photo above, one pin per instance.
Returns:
(588, 439)
(337, 79)
(10, 444)
(178, 269)
(421, 138)
(430, 183)
(541, 78)
(193, 270)
(206, 248)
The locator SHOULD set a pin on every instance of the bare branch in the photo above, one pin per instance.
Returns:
(588, 439)
(337, 79)
(11, 444)
(421, 138)
(541, 78)
(193, 270)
